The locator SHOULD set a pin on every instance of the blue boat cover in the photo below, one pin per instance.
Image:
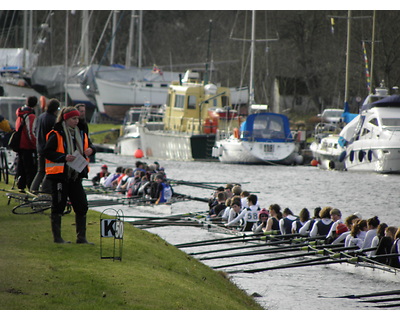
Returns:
(266, 126)
(389, 101)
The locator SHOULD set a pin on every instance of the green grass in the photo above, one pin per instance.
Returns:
(37, 274)
(106, 137)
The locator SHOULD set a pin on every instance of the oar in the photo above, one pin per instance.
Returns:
(241, 247)
(295, 247)
(274, 243)
(389, 306)
(368, 295)
(206, 242)
(190, 197)
(381, 300)
(315, 262)
(298, 255)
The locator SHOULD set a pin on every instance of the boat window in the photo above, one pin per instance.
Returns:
(191, 102)
(392, 124)
(225, 101)
(365, 131)
(374, 121)
(268, 127)
(179, 101)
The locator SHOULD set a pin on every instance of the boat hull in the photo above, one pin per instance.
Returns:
(117, 98)
(379, 159)
(127, 146)
(175, 146)
(237, 151)
(328, 153)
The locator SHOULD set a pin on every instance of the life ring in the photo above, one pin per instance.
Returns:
(236, 133)
(42, 101)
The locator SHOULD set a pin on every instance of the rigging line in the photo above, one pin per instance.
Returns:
(81, 42)
(101, 37)
(42, 31)
(4, 27)
(112, 38)
(10, 28)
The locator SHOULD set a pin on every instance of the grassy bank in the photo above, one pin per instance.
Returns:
(153, 275)
(104, 137)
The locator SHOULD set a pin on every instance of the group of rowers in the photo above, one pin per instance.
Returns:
(144, 180)
(239, 209)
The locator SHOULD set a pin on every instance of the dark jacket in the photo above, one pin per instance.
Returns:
(51, 154)
(44, 124)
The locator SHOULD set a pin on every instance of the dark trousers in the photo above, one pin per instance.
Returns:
(61, 190)
(26, 168)
(41, 183)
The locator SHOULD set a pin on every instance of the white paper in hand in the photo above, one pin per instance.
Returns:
(79, 163)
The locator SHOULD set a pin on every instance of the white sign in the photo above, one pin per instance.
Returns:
(112, 228)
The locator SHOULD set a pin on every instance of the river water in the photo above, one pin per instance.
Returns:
(295, 187)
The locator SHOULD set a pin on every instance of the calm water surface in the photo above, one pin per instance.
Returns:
(294, 187)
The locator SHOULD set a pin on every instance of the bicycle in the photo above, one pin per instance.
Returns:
(3, 165)
(31, 204)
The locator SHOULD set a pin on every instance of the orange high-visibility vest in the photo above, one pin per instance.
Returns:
(58, 167)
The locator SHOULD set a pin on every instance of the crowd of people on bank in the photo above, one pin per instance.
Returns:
(48, 149)
(239, 209)
(147, 181)
(48, 152)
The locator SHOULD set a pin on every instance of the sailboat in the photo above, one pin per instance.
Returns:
(264, 137)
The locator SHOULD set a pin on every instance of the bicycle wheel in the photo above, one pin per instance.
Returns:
(31, 207)
(3, 166)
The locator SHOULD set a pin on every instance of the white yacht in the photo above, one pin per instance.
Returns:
(372, 139)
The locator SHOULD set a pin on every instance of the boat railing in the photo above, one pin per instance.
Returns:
(223, 134)
(183, 124)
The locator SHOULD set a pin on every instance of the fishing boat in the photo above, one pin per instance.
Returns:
(194, 111)
(372, 139)
(263, 138)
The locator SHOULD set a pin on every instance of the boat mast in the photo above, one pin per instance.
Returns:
(206, 76)
(140, 39)
(346, 87)
(130, 41)
(372, 52)
(252, 48)
(66, 59)
(85, 38)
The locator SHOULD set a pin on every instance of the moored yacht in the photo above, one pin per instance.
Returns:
(372, 139)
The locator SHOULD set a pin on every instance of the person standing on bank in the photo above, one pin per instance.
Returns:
(62, 142)
(82, 117)
(44, 124)
(27, 164)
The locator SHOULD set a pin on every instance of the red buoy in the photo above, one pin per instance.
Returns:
(138, 154)
(314, 163)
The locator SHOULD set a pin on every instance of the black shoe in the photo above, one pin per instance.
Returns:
(83, 241)
(61, 241)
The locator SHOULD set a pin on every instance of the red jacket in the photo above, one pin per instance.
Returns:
(28, 139)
